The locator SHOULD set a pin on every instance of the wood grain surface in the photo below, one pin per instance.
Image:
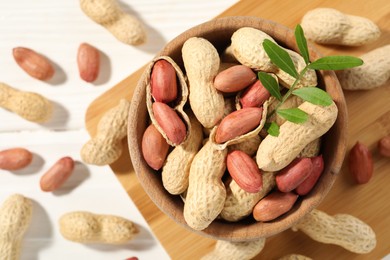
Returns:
(369, 120)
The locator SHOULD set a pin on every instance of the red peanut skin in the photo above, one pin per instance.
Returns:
(255, 95)
(154, 148)
(294, 174)
(163, 82)
(88, 61)
(244, 120)
(384, 146)
(15, 159)
(274, 205)
(307, 185)
(234, 79)
(239, 163)
(360, 163)
(34, 64)
(170, 122)
(57, 174)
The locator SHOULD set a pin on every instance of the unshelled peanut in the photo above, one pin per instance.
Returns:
(106, 146)
(330, 26)
(308, 79)
(295, 257)
(275, 153)
(15, 158)
(201, 62)
(343, 230)
(235, 250)
(206, 192)
(247, 47)
(33, 63)
(125, 27)
(86, 227)
(15, 218)
(374, 73)
(239, 203)
(291, 102)
(30, 106)
(312, 149)
(57, 175)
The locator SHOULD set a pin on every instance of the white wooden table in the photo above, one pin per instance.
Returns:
(56, 29)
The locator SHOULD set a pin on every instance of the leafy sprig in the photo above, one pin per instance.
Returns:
(314, 95)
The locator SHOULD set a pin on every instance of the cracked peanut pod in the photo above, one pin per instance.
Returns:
(86, 227)
(235, 250)
(206, 192)
(374, 72)
(249, 147)
(178, 104)
(343, 230)
(201, 62)
(239, 203)
(176, 169)
(125, 27)
(330, 26)
(247, 47)
(295, 257)
(30, 106)
(239, 138)
(229, 107)
(106, 147)
(15, 218)
(275, 153)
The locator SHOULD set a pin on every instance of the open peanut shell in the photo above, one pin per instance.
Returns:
(177, 105)
(241, 138)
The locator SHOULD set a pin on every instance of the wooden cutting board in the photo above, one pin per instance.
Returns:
(369, 120)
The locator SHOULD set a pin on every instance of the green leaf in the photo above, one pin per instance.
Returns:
(272, 128)
(280, 57)
(294, 115)
(314, 95)
(335, 63)
(270, 84)
(302, 43)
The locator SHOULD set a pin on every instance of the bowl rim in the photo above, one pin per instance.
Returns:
(240, 231)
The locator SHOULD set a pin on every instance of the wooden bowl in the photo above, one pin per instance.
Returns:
(218, 32)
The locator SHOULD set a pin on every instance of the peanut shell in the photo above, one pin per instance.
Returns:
(243, 137)
(177, 105)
